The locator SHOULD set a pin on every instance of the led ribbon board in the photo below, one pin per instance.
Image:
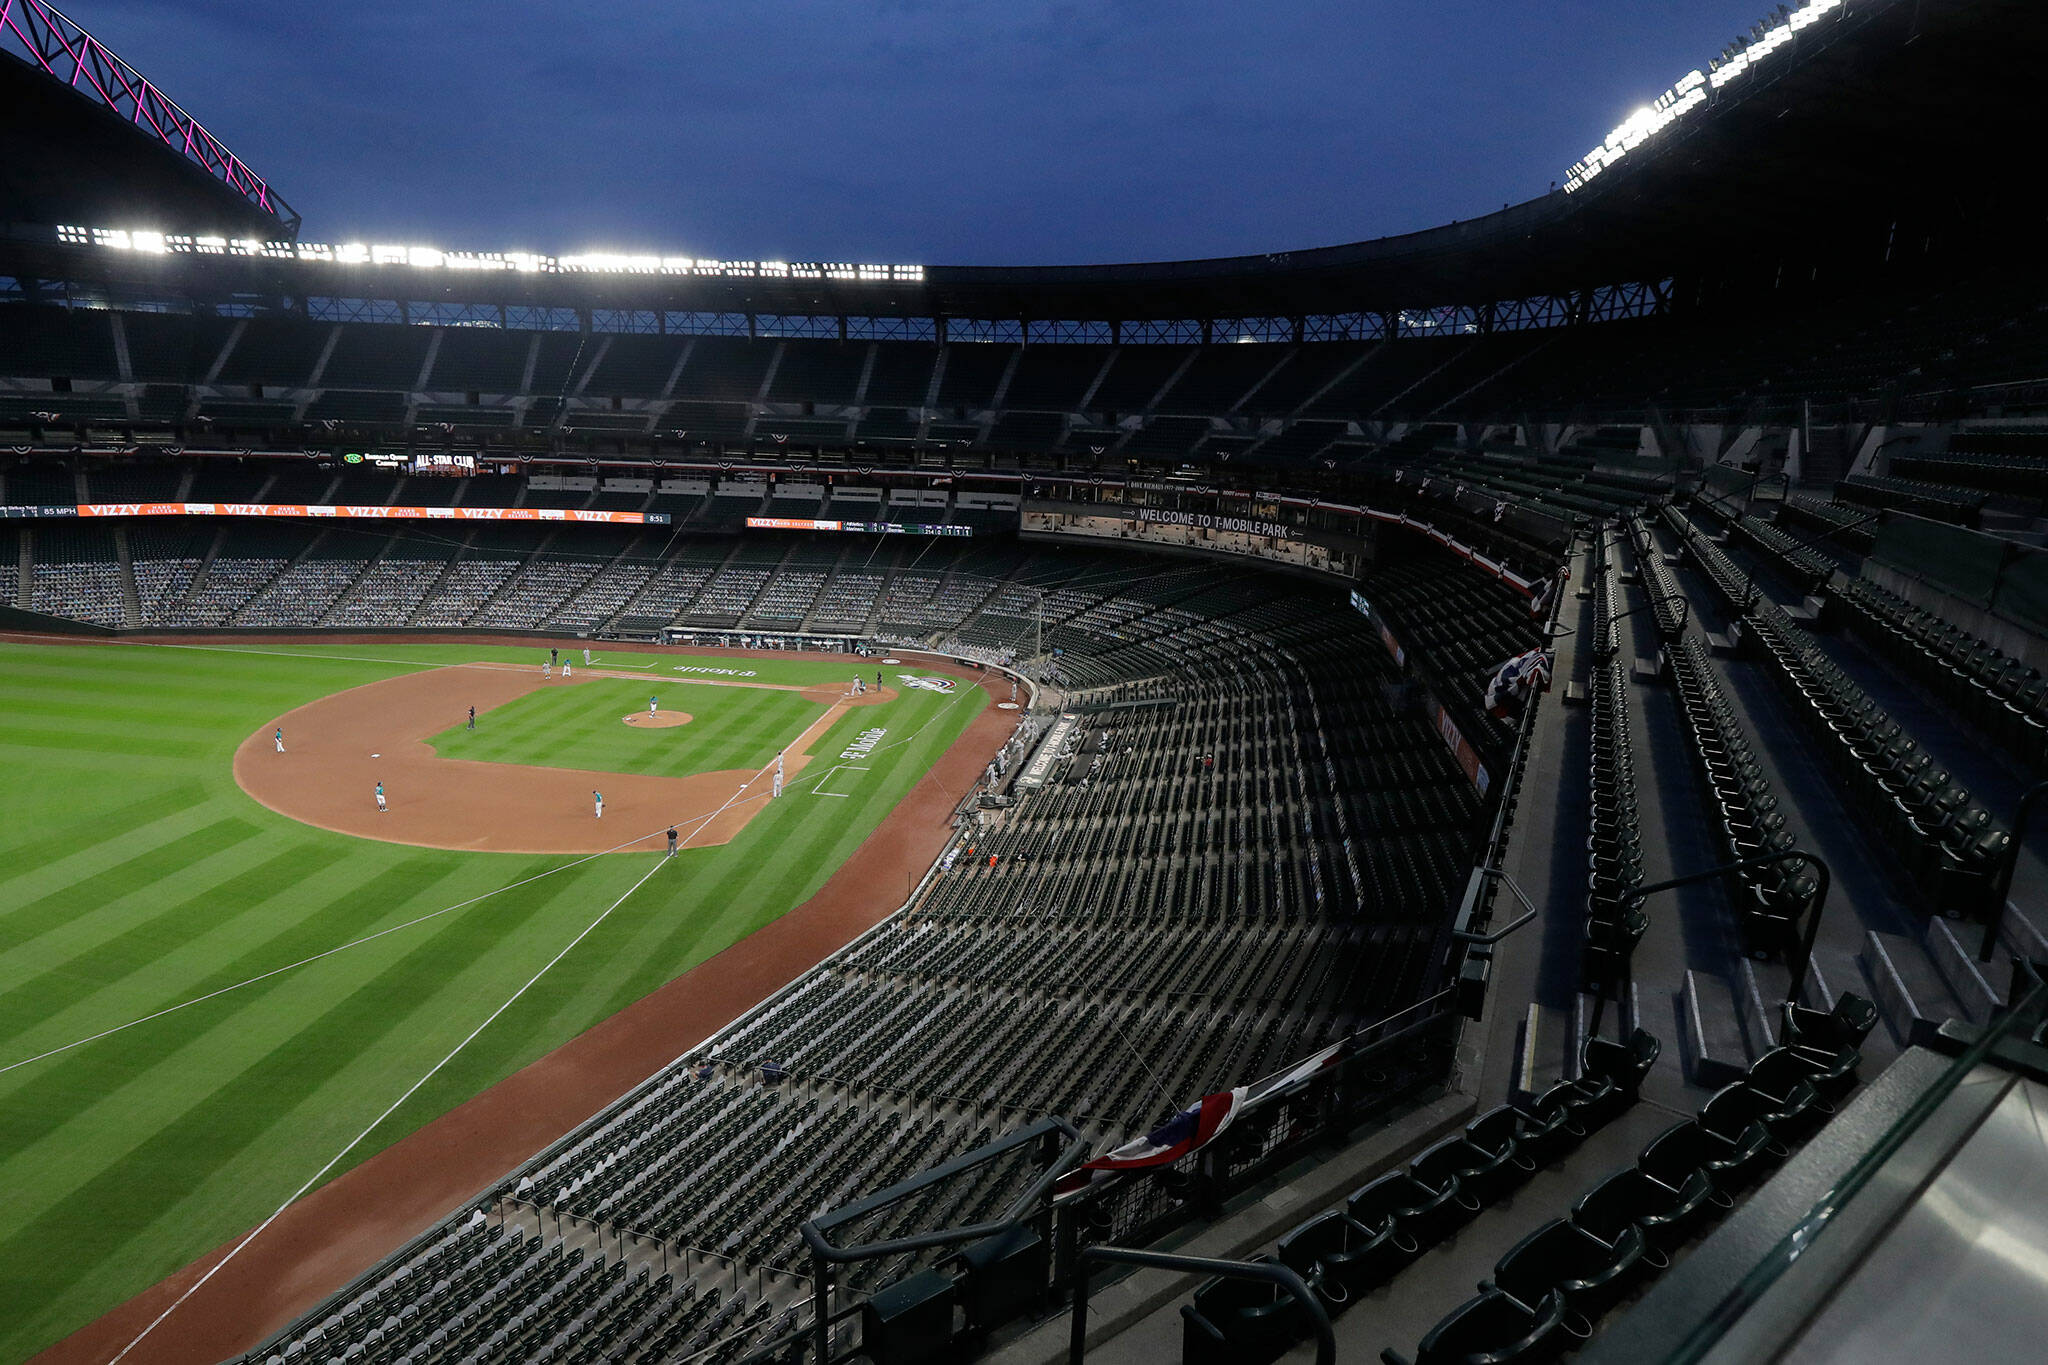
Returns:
(339, 512)
(895, 528)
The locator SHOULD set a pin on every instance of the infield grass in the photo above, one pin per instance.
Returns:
(135, 875)
(581, 725)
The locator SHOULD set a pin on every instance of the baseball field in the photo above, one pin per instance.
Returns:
(220, 964)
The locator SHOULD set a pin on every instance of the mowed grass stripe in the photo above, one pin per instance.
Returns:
(56, 738)
(349, 912)
(114, 957)
(238, 1110)
(216, 1042)
(93, 894)
(450, 986)
(110, 717)
(170, 699)
(36, 849)
(526, 1031)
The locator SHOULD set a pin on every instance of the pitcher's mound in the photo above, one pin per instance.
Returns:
(663, 721)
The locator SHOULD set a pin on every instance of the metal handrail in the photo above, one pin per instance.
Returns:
(813, 1230)
(1499, 874)
(2001, 882)
(1493, 853)
(1634, 899)
(1271, 1273)
(825, 1253)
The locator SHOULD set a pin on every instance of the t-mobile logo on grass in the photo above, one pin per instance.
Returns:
(721, 672)
(863, 744)
(928, 684)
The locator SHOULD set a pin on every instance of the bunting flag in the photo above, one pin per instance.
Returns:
(1515, 681)
(1196, 1126)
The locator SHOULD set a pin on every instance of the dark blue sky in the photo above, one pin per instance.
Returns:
(938, 131)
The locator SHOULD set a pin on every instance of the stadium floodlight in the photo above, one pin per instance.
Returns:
(434, 258)
(1695, 88)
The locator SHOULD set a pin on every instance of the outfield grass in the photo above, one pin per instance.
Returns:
(580, 726)
(135, 875)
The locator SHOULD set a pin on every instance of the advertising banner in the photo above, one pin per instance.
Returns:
(348, 512)
(893, 528)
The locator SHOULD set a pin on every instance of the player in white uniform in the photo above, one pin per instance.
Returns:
(280, 739)
(653, 705)
(598, 797)
(380, 798)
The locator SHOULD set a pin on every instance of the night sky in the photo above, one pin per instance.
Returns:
(931, 131)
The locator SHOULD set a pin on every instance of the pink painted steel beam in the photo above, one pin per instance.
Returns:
(36, 31)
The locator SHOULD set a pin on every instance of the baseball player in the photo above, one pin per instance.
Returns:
(380, 798)
(280, 739)
(472, 718)
(586, 658)
(598, 797)
(653, 705)
(565, 668)
(671, 841)
(547, 670)
(878, 680)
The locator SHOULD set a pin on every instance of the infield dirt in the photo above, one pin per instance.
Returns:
(337, 750)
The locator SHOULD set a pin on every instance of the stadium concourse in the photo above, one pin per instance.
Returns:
(1507, 758)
